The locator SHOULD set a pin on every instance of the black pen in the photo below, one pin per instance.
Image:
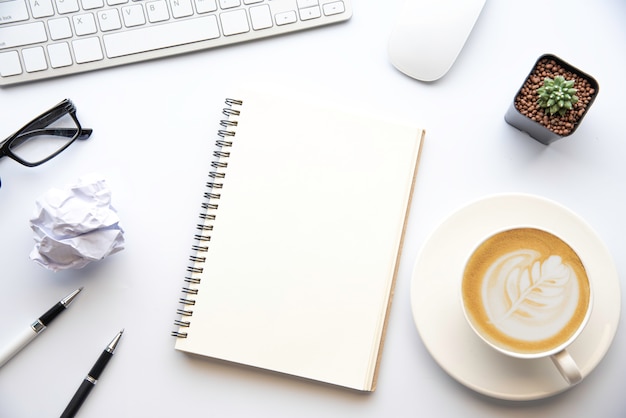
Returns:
(35, 328)
(91, 379)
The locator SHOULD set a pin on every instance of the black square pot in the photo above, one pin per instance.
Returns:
(535, 129)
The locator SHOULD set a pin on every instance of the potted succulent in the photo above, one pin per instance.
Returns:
(552, 101)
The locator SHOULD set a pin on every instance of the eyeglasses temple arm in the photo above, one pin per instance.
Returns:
(85, 133)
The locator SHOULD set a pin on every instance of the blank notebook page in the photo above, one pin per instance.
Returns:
(306, 240)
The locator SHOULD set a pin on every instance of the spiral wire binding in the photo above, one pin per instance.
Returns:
(204, 228)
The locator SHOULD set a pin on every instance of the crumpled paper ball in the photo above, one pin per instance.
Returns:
(75, 226)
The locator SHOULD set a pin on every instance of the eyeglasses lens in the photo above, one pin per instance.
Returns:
(40, 143)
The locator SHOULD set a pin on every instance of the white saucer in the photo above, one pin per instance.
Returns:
(435, 298)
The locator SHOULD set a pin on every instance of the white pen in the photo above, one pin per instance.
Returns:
(29, 334)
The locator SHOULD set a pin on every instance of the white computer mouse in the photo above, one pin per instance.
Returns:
(429, 35)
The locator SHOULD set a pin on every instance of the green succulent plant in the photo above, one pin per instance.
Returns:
(558, 95)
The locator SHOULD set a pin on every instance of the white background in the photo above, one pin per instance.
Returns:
(154, 127)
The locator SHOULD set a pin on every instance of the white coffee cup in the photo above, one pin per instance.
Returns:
(526, 293)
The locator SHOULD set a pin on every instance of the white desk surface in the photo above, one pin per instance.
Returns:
(154, 124)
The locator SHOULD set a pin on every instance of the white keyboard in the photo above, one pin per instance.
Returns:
(47, 38)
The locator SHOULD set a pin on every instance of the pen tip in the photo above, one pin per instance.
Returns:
(116, 340)
(69, 298)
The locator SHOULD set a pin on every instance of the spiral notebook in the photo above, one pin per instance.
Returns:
(299, 240)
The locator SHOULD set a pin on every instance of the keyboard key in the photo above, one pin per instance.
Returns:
(59, 28)
(234, 22)
(34, 59)
(157, 11)
(109, 20)
(41, 8)
(84, 24)
(13, 11)
(20, 35)
(10, 64)
(133, 15)
(310, 13)
(161, 36)
(286, 18)
(181, 8)
(87, 50)
(206, 6)
(261, 17)
(60, 55)
(229, 4)
(334, 8)
(92, 4)
(67, 6)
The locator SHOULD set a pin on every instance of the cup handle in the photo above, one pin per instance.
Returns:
(567, 367)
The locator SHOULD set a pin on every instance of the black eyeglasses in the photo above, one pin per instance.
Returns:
(45, 137)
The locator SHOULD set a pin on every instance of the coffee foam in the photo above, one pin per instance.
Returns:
(525, 291)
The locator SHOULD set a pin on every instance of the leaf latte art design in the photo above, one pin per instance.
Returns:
(531, 290)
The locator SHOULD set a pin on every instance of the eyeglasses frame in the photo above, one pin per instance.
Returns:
(37, 126)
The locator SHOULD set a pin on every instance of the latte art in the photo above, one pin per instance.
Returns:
(525, 291)
(529, 298)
